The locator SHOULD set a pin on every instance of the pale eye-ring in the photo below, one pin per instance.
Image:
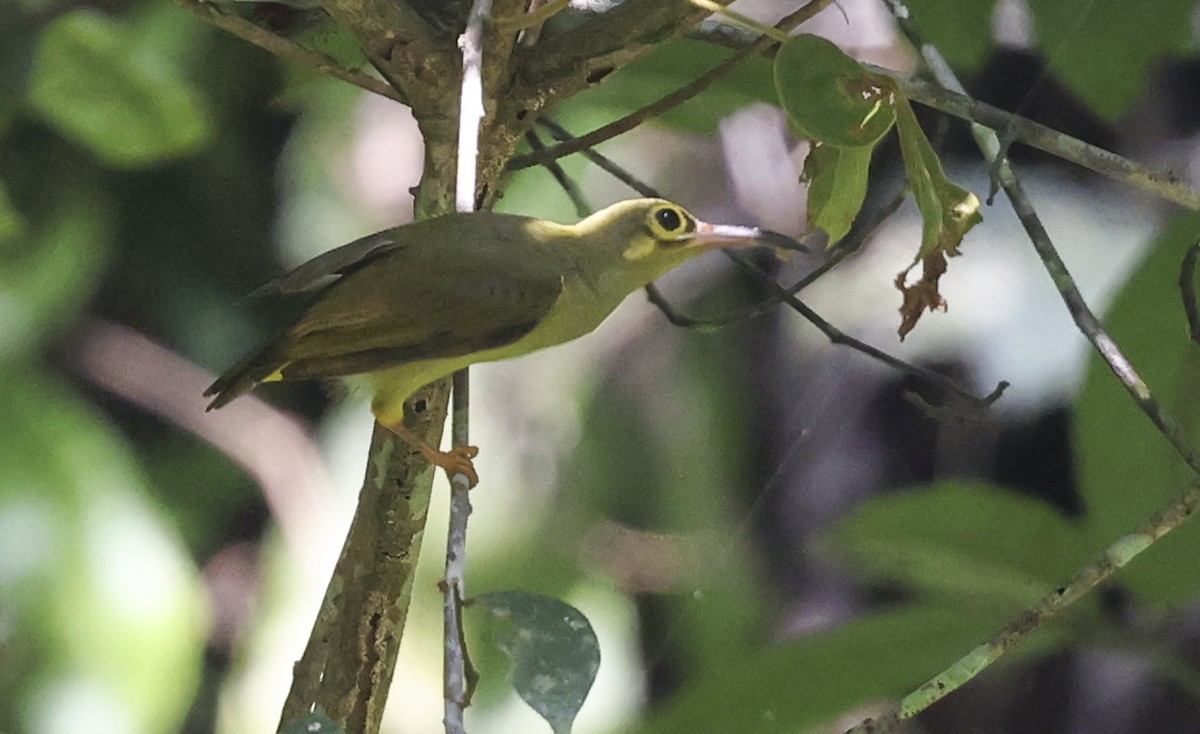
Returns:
(669, 222)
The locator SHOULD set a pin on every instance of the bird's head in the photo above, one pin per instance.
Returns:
(653, 236)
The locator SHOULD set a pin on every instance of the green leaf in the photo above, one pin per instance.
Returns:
(554, 651)
(12, 224)
(961, 30)
(319, 32)
(48, 273)
(837, 186)
(130, 109)
(799, 685)
(1102, 50)
(948, 211)
(830, 97)
(98, 596)
(975, 543)
(1126, 469)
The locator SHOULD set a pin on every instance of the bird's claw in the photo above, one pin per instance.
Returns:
(455, 461)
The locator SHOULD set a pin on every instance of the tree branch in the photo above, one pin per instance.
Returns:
(347, 665)
(1114, 558)
(669, 101)
(287, 49)
(1122, 550)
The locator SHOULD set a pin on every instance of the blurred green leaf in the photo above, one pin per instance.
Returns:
(553, 648)
(672, 65)
(837, 187)
(977, 544)
(817, 678)
(1127, 471)
(961, 30)
(101, 605)
(51, 270)
(12, 224)
(830, 97)
(323, 34)
(1102, 50)
(131, 109)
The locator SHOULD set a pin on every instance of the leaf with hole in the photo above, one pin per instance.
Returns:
(830, 97)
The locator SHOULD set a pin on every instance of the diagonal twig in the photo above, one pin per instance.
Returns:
(1020, 129)
(1122, 550)
(1113, 559)
(667, 102)
(288, 49)
(834, 335)
(1016, 128)
(1080, 312)
(561, 178)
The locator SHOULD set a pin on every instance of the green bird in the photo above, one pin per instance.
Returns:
(409, 305)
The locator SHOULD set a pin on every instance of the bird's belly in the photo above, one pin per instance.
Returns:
(585, 310)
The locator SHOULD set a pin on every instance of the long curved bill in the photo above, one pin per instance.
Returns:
(729, 235)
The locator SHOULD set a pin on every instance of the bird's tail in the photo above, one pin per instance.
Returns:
(256, 367)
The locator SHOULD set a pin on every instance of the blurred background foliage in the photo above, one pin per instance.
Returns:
(767, 532)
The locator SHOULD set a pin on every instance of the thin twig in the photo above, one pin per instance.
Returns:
(837, 336)
(1089, 324)
(783, 295)
(853, 242)
(1080, 312)
(1020, 129)
(1119, 553)
(670, 101)
(456, 676)
(560, 177)
(603, 162)
(1016, 128)
(471, 112)
(1125, 548)
(1187, 290)
(287, 49)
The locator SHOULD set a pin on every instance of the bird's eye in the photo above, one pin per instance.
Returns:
(668, 222)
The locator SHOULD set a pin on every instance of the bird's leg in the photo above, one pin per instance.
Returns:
(455, 461)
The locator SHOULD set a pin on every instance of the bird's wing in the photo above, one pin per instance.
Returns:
(338, 261)
(467, 292)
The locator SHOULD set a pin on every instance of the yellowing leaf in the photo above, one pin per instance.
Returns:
(948, 212)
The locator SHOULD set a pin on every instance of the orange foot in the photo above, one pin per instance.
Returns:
(455, 461)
